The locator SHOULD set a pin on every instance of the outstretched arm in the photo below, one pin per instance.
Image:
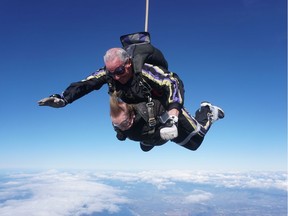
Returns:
(76, 90)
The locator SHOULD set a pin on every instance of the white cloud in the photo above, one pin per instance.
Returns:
(162, 179)
(58, 194)
(198, 196)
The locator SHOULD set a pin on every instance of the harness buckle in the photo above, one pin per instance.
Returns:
(150, 104)
(152, 122)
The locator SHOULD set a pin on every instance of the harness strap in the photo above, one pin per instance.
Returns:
(151, 117)
(150, 105)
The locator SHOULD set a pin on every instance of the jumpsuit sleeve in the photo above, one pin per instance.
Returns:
(163, 81)
(78, 89)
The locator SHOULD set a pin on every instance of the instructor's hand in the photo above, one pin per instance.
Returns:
(170, 131)
(53, 101)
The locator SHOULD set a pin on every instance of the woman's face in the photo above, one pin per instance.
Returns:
(123, 121)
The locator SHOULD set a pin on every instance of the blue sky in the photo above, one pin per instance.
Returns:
(231, 53)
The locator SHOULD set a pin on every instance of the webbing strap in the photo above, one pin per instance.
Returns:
(151, 117)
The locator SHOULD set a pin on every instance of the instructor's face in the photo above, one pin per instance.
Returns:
(119, 71)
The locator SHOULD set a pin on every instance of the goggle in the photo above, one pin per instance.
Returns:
(118, 71)
(124, 125)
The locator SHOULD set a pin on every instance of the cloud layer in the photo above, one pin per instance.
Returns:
(55, 193)
(163, 179)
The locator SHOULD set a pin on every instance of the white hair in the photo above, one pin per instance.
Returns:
(113, 53)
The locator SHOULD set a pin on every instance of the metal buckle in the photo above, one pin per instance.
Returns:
(152, 122)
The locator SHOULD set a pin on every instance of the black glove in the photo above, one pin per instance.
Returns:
(121, 136)
(55, 101)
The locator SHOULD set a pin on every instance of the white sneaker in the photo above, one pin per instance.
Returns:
(215, 112)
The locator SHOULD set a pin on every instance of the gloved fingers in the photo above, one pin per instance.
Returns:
(173, 118)
(52, 102)
(169, 133)
(46, 101)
